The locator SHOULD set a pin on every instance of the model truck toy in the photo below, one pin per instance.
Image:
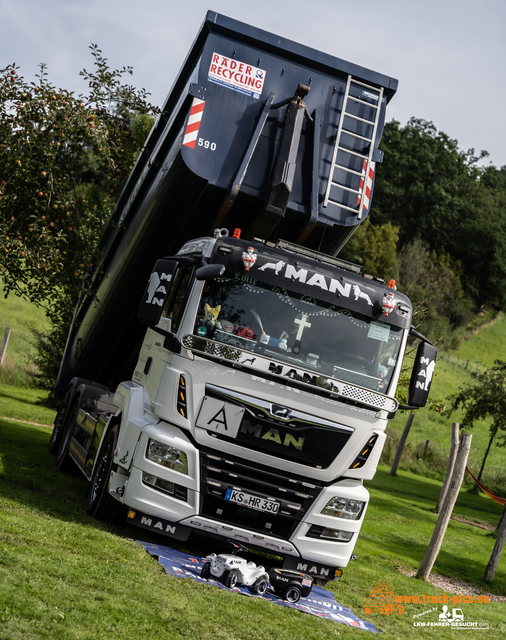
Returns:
(290, 585)
(232, 570)
(240, 387)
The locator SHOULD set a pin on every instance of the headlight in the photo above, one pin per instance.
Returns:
(167, 456)
(343, 508)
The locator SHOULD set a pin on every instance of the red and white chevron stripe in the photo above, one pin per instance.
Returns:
(368, 184)
(192, 128)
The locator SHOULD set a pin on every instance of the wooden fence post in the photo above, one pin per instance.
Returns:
(3, 350)
(451, 465)
(402, 442)
(444, 517)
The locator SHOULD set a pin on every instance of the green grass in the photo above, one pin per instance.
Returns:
(484, 347)
(65, 575)
(21, 317)
(24, 404)
(429, 425)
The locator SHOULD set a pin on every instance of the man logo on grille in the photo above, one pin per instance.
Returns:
(280, 412)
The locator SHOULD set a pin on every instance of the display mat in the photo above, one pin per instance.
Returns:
(320, 602)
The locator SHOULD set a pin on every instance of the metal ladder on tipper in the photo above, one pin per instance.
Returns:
(368, 165)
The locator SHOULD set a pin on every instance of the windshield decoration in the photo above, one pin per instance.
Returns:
(388, 304)
(209, 321)
(296, 335)
(361, 295)
(249, 258)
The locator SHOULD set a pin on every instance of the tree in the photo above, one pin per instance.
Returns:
(480, 243)
(374, 247)
(423, 182)
(433, 283)
(63, 160)
(486, 398)
(434, 192)
(497, 550)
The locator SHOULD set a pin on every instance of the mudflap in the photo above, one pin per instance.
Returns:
(158, 525)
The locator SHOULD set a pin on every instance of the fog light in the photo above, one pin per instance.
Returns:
(315, 531)
(167, 456)
(335, 534)
(158, 483)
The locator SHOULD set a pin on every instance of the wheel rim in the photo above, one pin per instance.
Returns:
(292, 595)
(261, 588)
(60, 419)
(100, 477)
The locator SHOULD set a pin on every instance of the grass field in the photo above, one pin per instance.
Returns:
(65, 575)
(429, 425)
(482, 349)
(21, 318)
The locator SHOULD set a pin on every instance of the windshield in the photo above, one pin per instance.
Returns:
(299, 331)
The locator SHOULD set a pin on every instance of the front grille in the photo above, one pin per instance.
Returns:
(293, 493)
(180, 492)
(272, 428)
(368, 397)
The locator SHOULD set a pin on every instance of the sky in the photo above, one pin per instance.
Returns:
(449, 56)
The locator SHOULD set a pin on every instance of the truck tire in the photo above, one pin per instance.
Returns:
(292, 593)
(59, 422)
(232, 578)
(260, 586)
(99, 503)
(206, 571)
(63, 460)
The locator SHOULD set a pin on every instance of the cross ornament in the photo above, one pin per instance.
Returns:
(302, 325)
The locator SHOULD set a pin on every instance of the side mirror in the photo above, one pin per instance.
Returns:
(421, 377)
(157, 291)
(209, 271)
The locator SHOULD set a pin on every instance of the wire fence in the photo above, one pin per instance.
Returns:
(463, 365)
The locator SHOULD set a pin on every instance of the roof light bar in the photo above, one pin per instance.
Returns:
(322, 257)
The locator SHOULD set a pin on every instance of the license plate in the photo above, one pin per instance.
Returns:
(253, 502)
